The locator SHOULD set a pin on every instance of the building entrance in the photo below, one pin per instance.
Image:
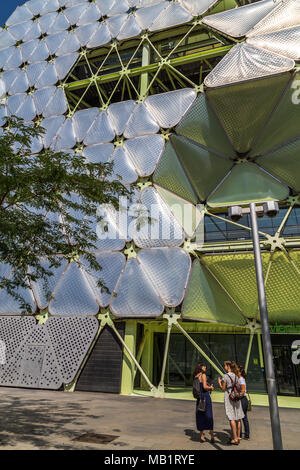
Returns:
(219, 347)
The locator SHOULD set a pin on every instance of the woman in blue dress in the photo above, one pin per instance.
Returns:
(204, 419)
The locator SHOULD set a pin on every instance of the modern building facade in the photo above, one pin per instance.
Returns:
(197, 105)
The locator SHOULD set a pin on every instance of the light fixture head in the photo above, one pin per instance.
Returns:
(271, 209)
(235, 213)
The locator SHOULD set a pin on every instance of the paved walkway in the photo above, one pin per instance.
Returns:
(218, 397)
(35, 419)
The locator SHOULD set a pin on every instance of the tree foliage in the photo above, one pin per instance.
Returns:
(48, 204)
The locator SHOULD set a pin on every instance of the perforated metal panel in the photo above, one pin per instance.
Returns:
(44, 356)
(204, 168)
(170, 174)
(284, 163)
(35, 361)
(13, 330)
(71, 339)
(281, 273)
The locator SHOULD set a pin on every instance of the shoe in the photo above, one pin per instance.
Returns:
(233, 443)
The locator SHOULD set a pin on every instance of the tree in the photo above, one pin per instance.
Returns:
(48, 204)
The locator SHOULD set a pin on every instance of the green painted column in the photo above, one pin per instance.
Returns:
(251, 336)
(128, 365)
(147, 358)
(260, 350)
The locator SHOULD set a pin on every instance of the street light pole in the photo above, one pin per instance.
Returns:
(267, 345)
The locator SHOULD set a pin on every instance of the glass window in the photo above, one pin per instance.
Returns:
(176, 373)
(217, 230)
(255, 377)
(193, 355)
(222, 348)
(219, 348)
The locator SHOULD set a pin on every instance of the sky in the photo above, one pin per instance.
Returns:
(7, 7)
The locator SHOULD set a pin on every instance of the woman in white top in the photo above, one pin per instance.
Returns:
(242, 380)
(233, 409)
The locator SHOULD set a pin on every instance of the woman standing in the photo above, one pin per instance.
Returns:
(233, 409)
(242, 380)
(204, 419)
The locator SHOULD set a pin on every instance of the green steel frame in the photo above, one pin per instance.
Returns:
(134, 66)
(172, 321)
(133, 69)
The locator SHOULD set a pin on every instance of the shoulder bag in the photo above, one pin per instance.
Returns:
(198, 395)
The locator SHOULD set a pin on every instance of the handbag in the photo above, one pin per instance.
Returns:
(201, 405)
(249, 403)
(197, 392)
(236, 392)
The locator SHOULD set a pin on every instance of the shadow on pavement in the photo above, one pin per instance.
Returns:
(221, 438)
(34, 425)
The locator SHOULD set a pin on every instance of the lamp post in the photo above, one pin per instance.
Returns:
(271, 209)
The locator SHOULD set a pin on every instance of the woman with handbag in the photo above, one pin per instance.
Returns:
(232, 399)
(204, 412)
(245, 402)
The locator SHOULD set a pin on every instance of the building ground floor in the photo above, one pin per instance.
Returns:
(141, 357)
(154, 358)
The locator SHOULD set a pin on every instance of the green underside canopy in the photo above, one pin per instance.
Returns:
(247, 183)
(236, 273)
(283, 287)
(283, 123)
(171, 176)
(210, 159)
(203, 168)
(187, 215)
(244, 108)
(284, 163)
(202, 125)
(206, 300)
